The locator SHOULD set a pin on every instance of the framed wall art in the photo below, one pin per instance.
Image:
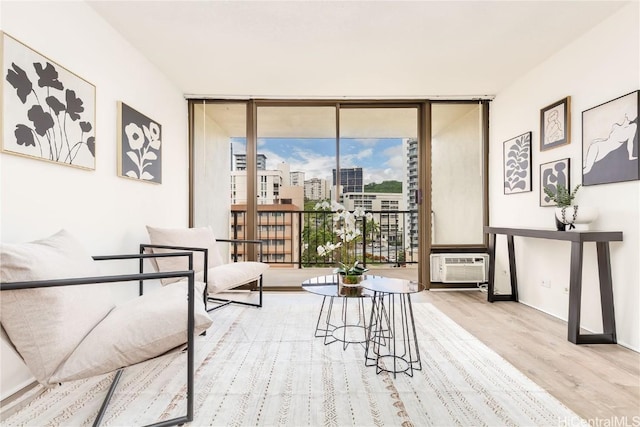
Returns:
(552, 175)
(555, 124)
(139, 146)
(610, 141)
(48, 112)
(517, 164)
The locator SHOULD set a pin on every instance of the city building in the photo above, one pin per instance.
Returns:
(385, 208)
(316, 189)
(297, 178)
(241, 162)
(409, 188)
(351, 180)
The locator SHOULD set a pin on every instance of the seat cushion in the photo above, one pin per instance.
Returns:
(228, 276)
(45, 325)
(135, 331)
(202, 237)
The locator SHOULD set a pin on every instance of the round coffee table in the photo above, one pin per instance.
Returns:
(346, 329)
(392, 343)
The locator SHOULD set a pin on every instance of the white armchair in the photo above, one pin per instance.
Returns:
(208, 263)
(60, 317)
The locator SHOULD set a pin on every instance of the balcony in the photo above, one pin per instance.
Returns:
(290, 239)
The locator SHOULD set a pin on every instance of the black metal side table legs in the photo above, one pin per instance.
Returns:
(348, 330)
(392, 343)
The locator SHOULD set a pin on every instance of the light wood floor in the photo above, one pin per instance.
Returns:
(601, 383)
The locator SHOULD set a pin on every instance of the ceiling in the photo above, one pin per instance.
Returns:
(349, 49)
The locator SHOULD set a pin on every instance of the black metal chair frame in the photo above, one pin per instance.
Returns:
(222, 302)
(141, 277)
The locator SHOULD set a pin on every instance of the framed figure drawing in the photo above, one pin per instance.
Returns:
(517, 164)
(139, 146)
(610, 141)
(48, 112)
(555, 124)
(552, 175)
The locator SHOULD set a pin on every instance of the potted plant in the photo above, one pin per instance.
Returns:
(562, 197)
(350, 270)
(568, 213)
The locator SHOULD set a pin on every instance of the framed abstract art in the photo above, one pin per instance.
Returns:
(610, 141)
(517, 164)
(552, 175)
(139, 146)
(48, 112)
(555, 124)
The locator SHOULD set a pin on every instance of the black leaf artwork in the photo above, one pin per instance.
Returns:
(19, 80)
(48, 76)
(85, 126)
(91, 145)
(42, 120)
(52, 120)
(74, 105)
(55, 104)
(24, 136)
(517, 166)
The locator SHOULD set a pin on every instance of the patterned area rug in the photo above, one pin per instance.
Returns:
(265, 367)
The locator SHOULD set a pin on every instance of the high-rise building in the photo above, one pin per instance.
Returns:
(386, 206)
(316, 189)
(350, 180)
(296, 178)
(409, 189)
(241, 162)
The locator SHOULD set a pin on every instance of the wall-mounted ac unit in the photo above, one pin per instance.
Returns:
(460, 268)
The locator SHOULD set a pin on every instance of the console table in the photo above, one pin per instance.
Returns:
(577, 239)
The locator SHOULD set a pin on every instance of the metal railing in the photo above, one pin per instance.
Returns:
(292, 237)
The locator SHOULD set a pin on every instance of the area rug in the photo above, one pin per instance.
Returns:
(263, 367)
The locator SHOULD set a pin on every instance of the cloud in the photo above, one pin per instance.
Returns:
(380, 159)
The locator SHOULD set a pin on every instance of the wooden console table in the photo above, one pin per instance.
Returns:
(577, 238)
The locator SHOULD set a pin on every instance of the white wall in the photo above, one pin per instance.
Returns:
(105, 212)
(599, 66)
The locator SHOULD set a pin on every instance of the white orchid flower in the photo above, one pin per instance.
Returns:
(359, 212)
(337, 207)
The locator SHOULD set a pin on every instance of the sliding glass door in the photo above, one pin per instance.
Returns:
(260, 168)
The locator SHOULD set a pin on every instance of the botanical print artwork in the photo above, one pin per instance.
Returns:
(48, 112)
(517, 164)
(139, 154)
(552, 175)
(610, 141)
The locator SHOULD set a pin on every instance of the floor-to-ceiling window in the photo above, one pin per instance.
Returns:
(260, 167)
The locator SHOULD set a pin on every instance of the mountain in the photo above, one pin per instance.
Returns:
(384, 187)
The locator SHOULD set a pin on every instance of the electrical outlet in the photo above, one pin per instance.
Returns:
(546, 283)
(566, 290)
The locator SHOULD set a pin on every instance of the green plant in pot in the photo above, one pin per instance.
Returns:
(562, 197)
(346, 229)
(567, 213)
(351, 274)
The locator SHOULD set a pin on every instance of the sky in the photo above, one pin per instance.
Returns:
(380, 159)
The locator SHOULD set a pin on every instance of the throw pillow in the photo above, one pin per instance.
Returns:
(190, 237)
(45, 325)
(135, 331)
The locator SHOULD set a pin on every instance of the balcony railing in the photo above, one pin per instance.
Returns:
(291, 237)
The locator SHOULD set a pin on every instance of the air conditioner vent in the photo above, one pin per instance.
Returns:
(459, 268)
